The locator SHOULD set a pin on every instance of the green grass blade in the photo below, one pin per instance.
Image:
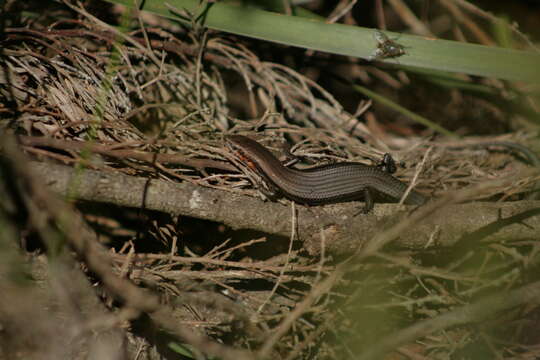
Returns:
(411, 115)
(356, 41)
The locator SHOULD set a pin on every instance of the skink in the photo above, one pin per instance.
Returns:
(339, 182)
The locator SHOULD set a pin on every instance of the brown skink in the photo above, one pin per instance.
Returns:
(332, 183)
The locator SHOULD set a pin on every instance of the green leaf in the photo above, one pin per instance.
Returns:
(182, 349)
(421, 52)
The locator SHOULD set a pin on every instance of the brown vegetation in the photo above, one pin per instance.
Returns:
(126, 232)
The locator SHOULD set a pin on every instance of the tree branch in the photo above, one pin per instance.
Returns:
(342, 231)
(110, 150)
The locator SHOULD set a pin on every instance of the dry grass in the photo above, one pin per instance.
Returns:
(156, 104)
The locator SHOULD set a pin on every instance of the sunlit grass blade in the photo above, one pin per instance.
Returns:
(354, 41)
